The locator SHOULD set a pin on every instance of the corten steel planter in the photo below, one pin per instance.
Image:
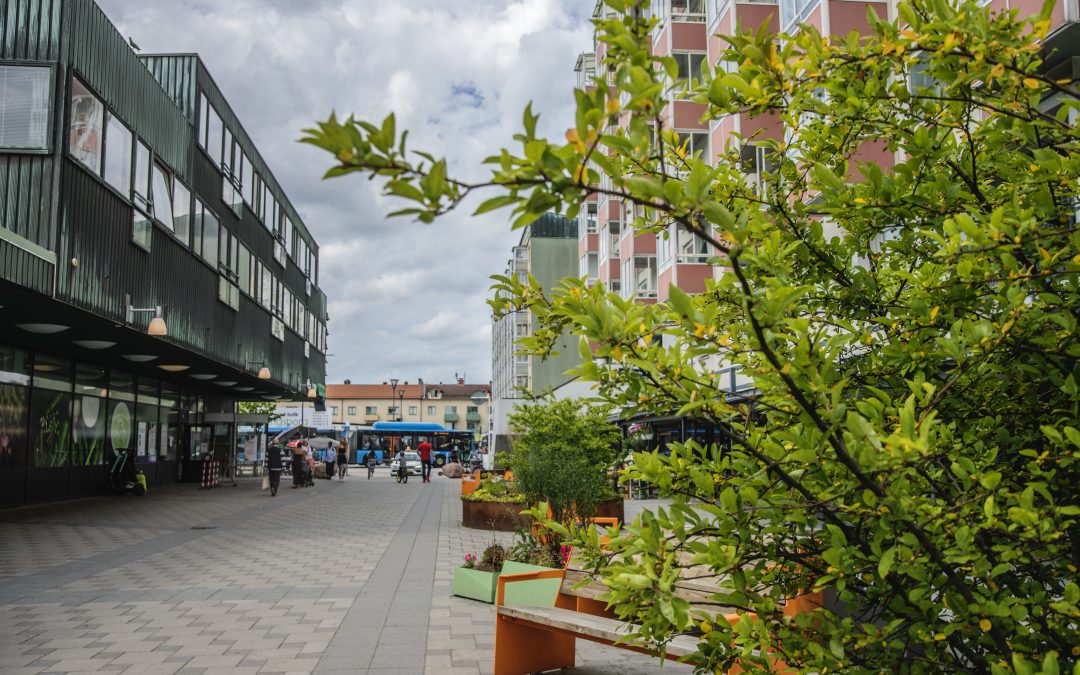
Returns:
(506, 516)
(500, 516)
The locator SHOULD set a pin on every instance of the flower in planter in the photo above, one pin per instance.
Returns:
(564, 554)
(470, 560)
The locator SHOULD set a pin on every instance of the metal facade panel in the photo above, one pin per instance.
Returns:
(110, 266)
(30, 29)
(25, 269)
(25, 197)
(176, 75)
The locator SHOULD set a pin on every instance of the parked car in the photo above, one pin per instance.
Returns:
(412, 463)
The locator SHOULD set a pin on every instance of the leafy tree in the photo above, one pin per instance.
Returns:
(258, 408)
(562, 453)
(911, 444)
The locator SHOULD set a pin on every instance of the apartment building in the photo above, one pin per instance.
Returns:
(152, 269)
(456, 405)
(644, 267)
(549, 250)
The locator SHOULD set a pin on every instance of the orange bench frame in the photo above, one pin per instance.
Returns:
(522, 647)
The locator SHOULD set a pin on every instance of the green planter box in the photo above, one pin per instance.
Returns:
(534, 593)
(470, 583)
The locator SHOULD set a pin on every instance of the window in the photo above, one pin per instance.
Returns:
(141, 229)
(754, 162)
(690, 64)
(694, 142)
(161, 201)
(210, 235)
(333, 410)
(371, 410)
(352, 410)
(213, 130)
(452, 409)
(24, 107)
(792, 12)
(590, 266)
(245, 269)
(392, 410)
(687, 10)
(86, 132)
(431, 410)
(692, 248)
(412, 410)
(644, 279)
(118, 155)
(181, 219)
(588, 219)
(229, 267)
(140, 189)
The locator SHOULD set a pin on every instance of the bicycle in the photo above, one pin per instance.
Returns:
(403, 474)
(370, 468)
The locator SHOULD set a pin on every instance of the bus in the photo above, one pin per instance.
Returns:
(386, 439)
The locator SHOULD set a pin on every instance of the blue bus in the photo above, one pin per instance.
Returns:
(386, 439)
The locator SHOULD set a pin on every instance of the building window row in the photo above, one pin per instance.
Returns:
(100, 141)
(242, 184)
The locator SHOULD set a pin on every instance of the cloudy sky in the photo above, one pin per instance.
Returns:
(406, 299)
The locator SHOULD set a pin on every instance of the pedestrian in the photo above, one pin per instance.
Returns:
(425, 459)
(273, 467)
(342, 458)
(298, 465)
(330, 456)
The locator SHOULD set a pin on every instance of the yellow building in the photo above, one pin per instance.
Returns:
(455, 406)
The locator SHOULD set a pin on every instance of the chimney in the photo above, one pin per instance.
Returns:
(348, 381)
(461, 380)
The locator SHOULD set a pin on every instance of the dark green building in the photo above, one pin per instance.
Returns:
(129, 193)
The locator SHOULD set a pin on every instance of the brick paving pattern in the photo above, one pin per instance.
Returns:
(345, 577)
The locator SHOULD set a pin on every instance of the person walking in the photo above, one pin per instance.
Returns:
(330, 457)
(424, 449)
(273, 468)
(342, 458)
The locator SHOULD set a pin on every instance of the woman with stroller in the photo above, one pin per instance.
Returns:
(299, 465)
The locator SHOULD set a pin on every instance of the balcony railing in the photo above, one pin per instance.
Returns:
(450, 417)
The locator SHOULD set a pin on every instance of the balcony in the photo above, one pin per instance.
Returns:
(472, 417)
(450, 417)
(368, 418)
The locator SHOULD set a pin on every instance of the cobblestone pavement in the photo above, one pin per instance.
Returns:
(345, 577)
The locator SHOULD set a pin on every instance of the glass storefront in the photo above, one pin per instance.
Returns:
(60, 415)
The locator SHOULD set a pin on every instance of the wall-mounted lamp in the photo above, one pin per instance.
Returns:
(264, 372)
(310, 389)
(157, 325)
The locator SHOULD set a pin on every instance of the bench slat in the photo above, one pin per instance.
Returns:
(695, 592)
(598, 627)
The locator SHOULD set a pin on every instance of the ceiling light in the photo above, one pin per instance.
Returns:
(173, 368)
(42, 328)
(94, 344)
(226, 384)
(46, 367)
(245, 389)
(203, 376)
(140, 358)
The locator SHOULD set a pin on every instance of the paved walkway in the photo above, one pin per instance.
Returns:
(345, 577)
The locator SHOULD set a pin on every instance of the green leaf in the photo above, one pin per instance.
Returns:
(885, 563)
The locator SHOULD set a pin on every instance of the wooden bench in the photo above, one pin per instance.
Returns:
(533, 639)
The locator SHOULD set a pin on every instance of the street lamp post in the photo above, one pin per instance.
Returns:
(401, 402)
(393, 389)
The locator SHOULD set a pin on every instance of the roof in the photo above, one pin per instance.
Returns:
(412, 391)
(374, 391)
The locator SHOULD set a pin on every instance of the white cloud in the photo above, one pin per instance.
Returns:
(406, 300)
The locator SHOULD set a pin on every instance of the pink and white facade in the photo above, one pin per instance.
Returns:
(645, 266)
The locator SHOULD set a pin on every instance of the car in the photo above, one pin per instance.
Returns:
(412, 463)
